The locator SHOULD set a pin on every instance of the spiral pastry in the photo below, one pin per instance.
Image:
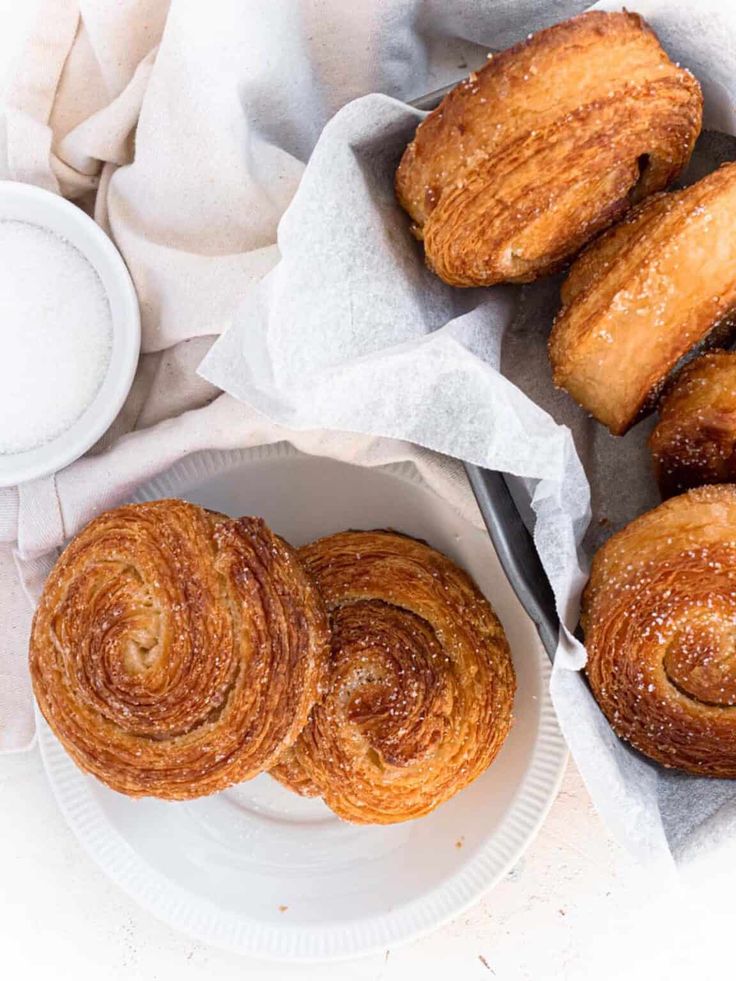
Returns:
(658, 615)
(644, 296)
(554, 139)
(420, 686)
(694, 441)
(175, 651)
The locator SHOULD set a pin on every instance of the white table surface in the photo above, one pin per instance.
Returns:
(576, 906)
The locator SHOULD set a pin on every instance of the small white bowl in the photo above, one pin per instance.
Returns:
(24, 202)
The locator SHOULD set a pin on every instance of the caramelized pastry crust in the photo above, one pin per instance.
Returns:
(420, 687)
(643, 296)
(549, 143)
(694, 441)
(174, 651)
(658, 616)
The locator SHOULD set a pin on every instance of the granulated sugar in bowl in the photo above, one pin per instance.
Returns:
(69, 332)
(56, 335)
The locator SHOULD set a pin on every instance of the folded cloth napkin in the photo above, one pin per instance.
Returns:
(184, 129)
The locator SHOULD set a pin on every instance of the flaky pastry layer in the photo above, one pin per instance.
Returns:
(175, 651)
(694, 441)
(659, 618)
(554, 139)
(644, 296)
(420, 686)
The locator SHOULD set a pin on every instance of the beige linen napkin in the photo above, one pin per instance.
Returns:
(184, 130)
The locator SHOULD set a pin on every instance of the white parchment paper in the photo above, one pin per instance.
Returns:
(350, 331)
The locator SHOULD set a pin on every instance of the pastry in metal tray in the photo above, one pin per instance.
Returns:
(553, 140)
(694, 442)
(658, 616)
(644, 297)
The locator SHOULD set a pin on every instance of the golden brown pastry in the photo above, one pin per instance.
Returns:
(694, 441)
(175, 651)
(420, 687)
(554, 139)
(659, 616)
(643, 296)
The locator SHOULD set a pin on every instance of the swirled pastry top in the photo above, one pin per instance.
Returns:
(420, 686)
(694, 441)
(659, 616)
(643, 296)
(175, 651)
(550, 142)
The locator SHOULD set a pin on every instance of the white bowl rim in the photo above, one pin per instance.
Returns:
(98, 249)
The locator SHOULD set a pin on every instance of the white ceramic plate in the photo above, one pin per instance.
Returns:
(264, 872)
